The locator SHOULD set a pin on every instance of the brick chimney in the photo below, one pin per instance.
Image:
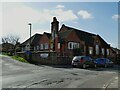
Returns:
(54, 31)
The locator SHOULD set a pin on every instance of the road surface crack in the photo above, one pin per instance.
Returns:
(44, 80)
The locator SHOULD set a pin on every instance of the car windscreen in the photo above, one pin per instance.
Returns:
(100, 60)
(88, 58)
(76, 58)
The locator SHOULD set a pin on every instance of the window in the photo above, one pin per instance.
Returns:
(46, 46)
(75, 45)
(37, 47)
(103, 51)
(72, 45)
(90, 50)
(34, 48)
(51, 45)
(69, 45)
(97, 49)
(108, 52)
(58, 45)
(27, 47)
(41, 46)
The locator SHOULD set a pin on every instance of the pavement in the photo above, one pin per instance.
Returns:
(16, 74)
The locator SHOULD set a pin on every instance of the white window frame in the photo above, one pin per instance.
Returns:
(103, 51)
(41, 46)
(58, 45)
(46, 45)
(97, 49)
(90, 50)
(34, 48)
(72, 45)
(69, 45)
(27, 47)
(51, 45)
(108, 51)
(38, 47)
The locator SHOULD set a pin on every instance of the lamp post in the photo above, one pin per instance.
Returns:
(30, 34)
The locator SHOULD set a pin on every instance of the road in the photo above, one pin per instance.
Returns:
(16, 74)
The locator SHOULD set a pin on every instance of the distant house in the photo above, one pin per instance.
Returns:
(64, 40)
(6, 47)
(31, 43)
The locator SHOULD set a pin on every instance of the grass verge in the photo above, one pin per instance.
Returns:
(19, 59)
(15, 57)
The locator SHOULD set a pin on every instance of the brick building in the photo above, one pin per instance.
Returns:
(65, 39)
(31, 43)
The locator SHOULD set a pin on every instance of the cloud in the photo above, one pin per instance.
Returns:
(76, 22)
(116, 17)
(60, 6)
(62, 15)
(85, 14)
(16, 18)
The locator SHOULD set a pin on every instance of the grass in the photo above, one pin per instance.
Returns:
(19, 59)
(15, 57)
(6, 54)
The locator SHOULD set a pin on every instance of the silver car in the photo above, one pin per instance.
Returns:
(83, 61)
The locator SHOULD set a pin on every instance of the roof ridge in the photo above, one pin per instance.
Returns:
(37, 34)
(79, 30)
(47, 33)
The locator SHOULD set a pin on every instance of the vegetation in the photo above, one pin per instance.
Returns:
(19, 59)
(15, 57)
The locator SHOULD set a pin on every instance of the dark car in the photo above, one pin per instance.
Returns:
(104, 62)
(83, 61)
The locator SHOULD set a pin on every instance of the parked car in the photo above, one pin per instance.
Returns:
(105, 62)
(83, 61)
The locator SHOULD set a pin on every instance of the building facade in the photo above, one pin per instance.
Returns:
(64, 40)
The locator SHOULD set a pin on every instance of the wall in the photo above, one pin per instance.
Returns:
(52, 58)
(44, 39)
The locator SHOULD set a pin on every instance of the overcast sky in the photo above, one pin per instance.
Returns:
(95, 17)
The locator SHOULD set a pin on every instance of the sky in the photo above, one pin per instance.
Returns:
(94, 17)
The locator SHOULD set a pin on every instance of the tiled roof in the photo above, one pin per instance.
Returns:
(84, 36)
(34, 39)
(48, 35)
(104, 43)
(64, 34)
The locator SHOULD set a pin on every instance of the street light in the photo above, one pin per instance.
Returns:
(30, 33)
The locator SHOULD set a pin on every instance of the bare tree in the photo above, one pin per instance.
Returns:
(11, 39)
(5, 40)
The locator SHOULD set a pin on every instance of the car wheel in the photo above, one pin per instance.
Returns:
(105, 65)
(84, 66)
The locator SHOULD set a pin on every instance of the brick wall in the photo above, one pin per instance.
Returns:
(44, 39)
(52, 58)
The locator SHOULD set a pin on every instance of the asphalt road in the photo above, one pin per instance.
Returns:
(16, 74)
